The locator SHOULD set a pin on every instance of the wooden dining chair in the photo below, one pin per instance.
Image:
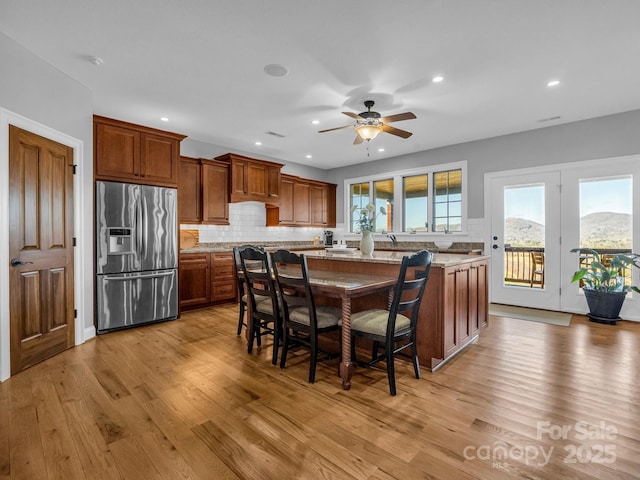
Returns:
(537, 268)
(303, 320)
(394, 330)
(242, 294)
(262, 295)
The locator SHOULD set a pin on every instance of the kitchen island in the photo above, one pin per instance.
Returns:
(454, 308)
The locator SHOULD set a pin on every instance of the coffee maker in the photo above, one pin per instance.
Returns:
(328, 237)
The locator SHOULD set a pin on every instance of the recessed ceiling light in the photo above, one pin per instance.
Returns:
(97, 61)
(309, 156)
(553, 83)
(258, 143)
(381, 149)
(275, 70)
(164, 119)
(437, 79)
(315, 122)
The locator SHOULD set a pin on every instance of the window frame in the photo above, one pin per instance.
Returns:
(398, 215)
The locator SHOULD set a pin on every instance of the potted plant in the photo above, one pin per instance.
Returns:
(603, 285)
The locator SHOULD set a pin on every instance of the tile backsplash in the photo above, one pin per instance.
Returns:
(247, 224)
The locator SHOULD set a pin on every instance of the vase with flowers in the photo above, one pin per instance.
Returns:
(366, 225)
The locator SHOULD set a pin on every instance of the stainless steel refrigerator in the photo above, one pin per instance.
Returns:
(136, 255)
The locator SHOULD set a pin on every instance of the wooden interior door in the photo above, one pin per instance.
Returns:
(40, 248)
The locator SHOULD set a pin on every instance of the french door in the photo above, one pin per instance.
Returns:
(536, 216)
(525, 240)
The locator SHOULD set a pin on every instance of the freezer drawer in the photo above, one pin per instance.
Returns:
(130, 299)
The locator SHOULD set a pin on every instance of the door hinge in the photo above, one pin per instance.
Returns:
(75, 243)
(73, 166)
(560, 291)
(75, 313)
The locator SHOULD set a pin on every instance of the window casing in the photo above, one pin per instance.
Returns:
(423, 200)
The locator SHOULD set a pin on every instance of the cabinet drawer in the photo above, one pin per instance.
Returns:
(225, 270)
(191, 258)
(223, 290)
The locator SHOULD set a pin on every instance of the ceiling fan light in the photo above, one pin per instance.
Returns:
(368, 132)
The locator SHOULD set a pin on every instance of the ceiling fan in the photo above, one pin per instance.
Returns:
(369, 124)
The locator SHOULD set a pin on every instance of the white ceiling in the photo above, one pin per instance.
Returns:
(200, 63)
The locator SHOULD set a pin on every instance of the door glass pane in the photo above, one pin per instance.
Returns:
(416, 203)
(447, 191)
(383, 198)
(524, 235)
(606, 219)
(360, 198)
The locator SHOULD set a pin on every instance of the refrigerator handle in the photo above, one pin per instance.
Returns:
(139, 232)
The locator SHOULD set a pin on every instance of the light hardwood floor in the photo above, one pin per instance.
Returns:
(183, 400)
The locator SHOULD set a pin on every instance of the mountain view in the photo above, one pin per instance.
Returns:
(598, 230)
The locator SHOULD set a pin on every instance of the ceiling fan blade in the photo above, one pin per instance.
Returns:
(355, 116)
(358, 140)
(337, 128)
(398, 117)
(396, 131)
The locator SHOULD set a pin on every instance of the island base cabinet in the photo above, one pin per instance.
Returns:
(460, 316)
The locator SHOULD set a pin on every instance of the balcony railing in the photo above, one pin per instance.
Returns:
(519, 267)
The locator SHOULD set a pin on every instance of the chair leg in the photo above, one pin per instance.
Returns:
(276, 343)
(414, 355)
(374, 350)
(353, 350)
(285, 347)
(391, 370)
(314, 358)
(243, 309)
(255, 332)
(258, 329)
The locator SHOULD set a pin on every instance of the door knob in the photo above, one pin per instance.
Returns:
(16, 262)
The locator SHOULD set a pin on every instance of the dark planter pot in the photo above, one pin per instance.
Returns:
(604, 307)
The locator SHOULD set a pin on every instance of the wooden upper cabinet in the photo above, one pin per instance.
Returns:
(190, 191)
(215, 192)
(301, 205)
(133, 153)
(304, 203)
(203, 191)
(252, 179)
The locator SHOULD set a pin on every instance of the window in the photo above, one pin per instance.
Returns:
(447, 199)
(424, 200)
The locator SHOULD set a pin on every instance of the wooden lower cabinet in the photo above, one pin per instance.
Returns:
(206, 279)
(194, 280)
(459, 317)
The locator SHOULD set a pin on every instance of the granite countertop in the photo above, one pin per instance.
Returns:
(441, 260)
(381, 246)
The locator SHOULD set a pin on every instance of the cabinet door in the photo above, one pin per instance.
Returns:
(273, 183)
(194, 279)
(450, 324)
(285, 216)
(117, 152)
(462, 303)
(478, 301)
(301, 200)
(159, 158)
(189, 191)
(257, 180)
(215, 193)
(239, 177)
(318, 205)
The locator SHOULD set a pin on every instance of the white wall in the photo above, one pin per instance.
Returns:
(34, 93)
